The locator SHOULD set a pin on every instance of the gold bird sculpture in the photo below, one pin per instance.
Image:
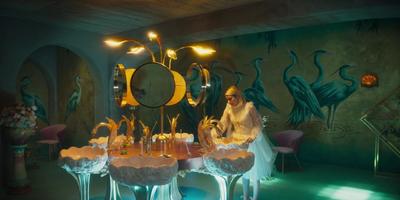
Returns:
(204, 133)
(111, 126)
(130, 127)
(173, 124)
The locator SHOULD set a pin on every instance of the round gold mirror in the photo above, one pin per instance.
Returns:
(154, 85)
(197, 84)
(121, 88)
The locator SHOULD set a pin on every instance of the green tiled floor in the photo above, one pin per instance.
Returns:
(49, 182)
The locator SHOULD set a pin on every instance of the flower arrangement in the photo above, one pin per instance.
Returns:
(18, 116)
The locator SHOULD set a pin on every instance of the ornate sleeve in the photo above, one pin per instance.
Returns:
(256, 119)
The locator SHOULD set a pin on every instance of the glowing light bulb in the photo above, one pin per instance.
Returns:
(114, 43)
(171, 54)
(135, 50)
(151, 35)
(203, 51)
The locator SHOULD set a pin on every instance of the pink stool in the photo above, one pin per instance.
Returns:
(50, 136)
(288, 142)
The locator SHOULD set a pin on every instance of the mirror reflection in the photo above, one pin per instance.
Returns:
(152, 85)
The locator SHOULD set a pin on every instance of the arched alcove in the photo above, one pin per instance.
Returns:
(69, 85)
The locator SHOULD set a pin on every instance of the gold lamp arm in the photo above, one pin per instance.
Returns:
(199, 50)
(114, 43)
(175, 52)
(147, 49)
(154, 36)
(161, 52)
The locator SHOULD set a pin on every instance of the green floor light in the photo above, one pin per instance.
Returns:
(347, 193)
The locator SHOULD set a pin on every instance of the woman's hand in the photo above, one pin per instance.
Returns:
(214, 125)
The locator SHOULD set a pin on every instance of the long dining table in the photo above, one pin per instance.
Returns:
(188, 155)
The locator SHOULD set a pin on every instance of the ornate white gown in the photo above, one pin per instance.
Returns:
(241, 121)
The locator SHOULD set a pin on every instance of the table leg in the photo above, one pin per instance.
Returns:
(226, 185)
(112, 192)
(83, 181)
(174, 190)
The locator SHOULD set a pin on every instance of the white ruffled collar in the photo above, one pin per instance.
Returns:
(238, 107)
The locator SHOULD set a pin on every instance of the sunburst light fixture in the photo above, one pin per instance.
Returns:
(130, 88)
(139, 47)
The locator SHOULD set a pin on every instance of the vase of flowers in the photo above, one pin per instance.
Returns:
(18, 124)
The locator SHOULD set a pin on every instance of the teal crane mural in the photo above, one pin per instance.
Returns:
(239, 77)
(30, 99)
(74, 99)
(194, 82)
(190, 114)
(256, 93)
(216, 84)
(270, 38)
(215, 89)
(319, 80)
(188, 111)
(232, 70)
(214, 93)
(333, 93)
(305, 102)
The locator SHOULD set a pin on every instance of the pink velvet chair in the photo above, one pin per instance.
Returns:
(288, 142)
(50, 135)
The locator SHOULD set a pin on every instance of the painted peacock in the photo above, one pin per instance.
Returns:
(215, 89)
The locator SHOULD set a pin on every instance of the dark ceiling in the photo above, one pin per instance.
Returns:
(111, 16)
(194, 20)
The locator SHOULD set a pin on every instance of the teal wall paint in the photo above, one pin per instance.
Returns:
(351, 143)
(26, 39)
(81, 120)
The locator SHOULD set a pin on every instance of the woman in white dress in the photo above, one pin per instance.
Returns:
(241, 119)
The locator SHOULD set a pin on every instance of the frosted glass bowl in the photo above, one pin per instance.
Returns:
(143, 170)
(84, 159)
(179, 137)
(226, 162)
(101, 142)
(184, 137)
(233, 142)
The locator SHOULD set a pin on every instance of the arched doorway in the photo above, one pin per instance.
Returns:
(65, 83)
